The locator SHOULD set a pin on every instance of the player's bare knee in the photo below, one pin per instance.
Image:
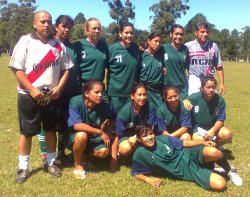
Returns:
(81, 137)
(226, 135)
(185, 136)
(217, 182)
(216, 153)
(102, 153)
(125, 149)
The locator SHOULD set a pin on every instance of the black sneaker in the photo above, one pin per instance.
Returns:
(22, 176)
(54, 169)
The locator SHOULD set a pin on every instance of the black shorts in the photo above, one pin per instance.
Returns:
(32, 116)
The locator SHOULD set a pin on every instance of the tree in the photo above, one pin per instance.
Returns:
(78, 32)
(165, 14)
(79, 19)
(16, 19)
(141, 36)
(119, 12)
(233, 45)
(245, 43)
(110, 33)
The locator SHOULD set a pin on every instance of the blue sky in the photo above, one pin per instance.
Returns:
(229, 14)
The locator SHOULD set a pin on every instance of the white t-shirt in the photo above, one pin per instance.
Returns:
(41, 62)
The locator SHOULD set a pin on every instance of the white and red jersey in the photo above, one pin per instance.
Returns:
(203, 59)
(41, 62)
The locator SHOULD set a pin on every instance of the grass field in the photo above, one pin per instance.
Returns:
(102, 183)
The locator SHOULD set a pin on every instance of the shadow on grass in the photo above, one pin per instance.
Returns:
(228, 154)
(36, 170)
(94, 164)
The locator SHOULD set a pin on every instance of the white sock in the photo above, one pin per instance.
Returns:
(51, 157)
(23, 161)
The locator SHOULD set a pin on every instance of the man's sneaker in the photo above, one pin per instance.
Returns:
(234, 177)
(54, 169)
(22, 176)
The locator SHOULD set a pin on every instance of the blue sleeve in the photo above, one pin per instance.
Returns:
(176, 143)
(186, 120)
(154, 120)
(221, 114)
(138, 168)
(74, 117)
(120, 127)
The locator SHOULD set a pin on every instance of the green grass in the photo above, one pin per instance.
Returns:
(103, 183)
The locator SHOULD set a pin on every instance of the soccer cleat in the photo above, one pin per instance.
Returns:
(54, 169)
(22, 176)
(234, 177)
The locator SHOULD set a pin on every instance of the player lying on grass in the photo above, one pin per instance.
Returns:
(166, 156)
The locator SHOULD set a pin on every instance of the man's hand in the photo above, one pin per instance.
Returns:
(222, 89)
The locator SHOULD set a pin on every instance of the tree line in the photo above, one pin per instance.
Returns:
(16, 20)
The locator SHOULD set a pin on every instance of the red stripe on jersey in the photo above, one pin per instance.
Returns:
(47, 59)
(197, 53)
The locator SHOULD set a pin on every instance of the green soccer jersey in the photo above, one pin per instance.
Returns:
(174, 120)
(151, 71)
(204, 113)
(176, 63)
(122, 69)
(78, 113)
(92, 60)
(72, 86)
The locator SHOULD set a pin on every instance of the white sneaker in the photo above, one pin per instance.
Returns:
(234, 177)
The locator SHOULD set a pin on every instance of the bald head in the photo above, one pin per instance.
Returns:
(43, 24)
(39, 13)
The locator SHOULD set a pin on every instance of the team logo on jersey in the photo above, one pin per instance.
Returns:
(83, 54)
(167, 148)
(165, 56)
(143, 65)
(196, 109)
(55, 52)
(98, 121)
(118, 58)
(184, 57)
(130, 125)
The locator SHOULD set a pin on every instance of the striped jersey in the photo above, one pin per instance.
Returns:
(203, 59)
(41, 62)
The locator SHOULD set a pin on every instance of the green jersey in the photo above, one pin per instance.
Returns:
(174, 120)
(151, 71)
(176, 63)
(122, 69)
(92, 60)
(72, 86)
(204, 113)
(78, 113)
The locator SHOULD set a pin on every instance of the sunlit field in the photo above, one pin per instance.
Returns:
(100, 182)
